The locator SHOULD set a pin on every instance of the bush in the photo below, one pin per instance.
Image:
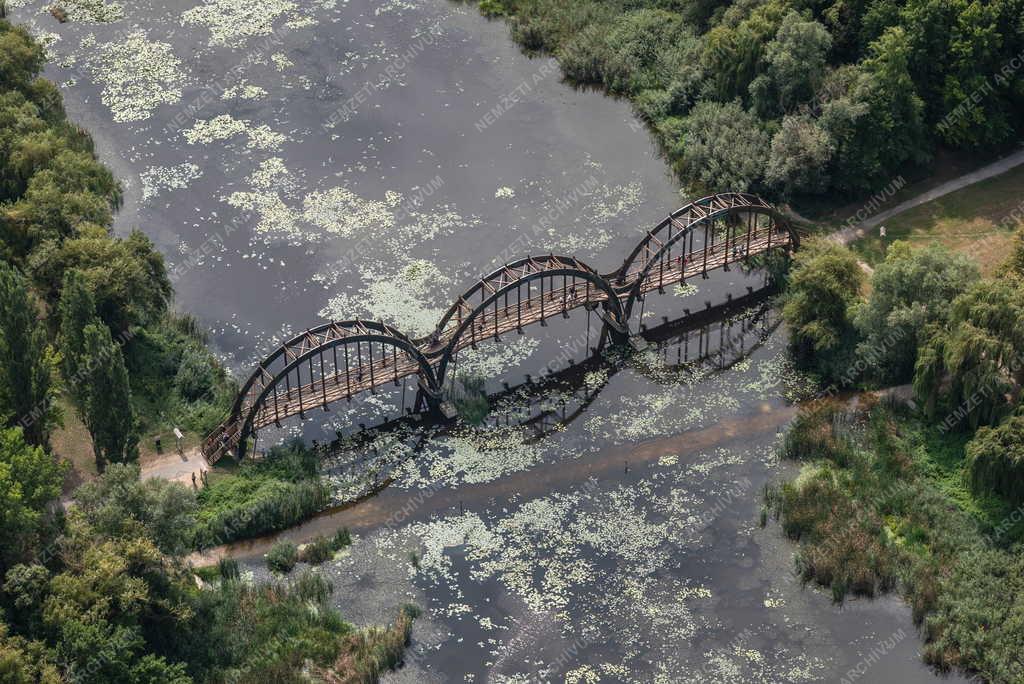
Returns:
(824, 283)
(813, 435)
(233, 508)
(196, 375)
(492, 8)
(470, 399)
(228, 569)
(367, 654)
(262, 496)
(322, 549)
(282, 557)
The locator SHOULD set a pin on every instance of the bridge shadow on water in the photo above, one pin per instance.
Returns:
(709, 341)
(713, 339)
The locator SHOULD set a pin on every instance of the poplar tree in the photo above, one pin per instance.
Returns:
(108, 412)
(77, 310)
(26, 388)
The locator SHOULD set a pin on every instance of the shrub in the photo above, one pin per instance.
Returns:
(235, 507)
(492, 8)
(196, 375)
(471, 400)
(322, 549)
(813, 435)
(282, 557)
(228, 569)
(365, 655)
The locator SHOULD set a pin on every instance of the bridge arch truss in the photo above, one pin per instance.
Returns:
(337, 361)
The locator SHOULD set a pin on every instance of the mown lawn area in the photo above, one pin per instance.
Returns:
(977, 220)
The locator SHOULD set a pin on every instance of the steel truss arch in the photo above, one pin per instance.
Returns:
(636, 270)
(251, 404)
(450, 335)
(649, 266)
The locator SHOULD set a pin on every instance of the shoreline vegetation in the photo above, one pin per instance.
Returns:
(798, 101)
(794, 100)
(100, 592)
(925, 499)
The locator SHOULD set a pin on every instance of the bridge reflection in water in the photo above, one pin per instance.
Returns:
(712, 340)
(339, 360)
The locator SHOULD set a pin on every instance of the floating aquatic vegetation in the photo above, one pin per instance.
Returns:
(281, 61)
(276, 217)
(158, 178)
(471, 456)
(403, 299)
(504, 192)
(490, 360)
(343, 213)
(244, 91)
(230, 21)
(93, 11)
(272, 173)
(225, 127)
(137, 75)
(668, 460)
(685, 290)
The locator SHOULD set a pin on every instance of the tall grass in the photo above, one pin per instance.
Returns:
(261, 497)
(368, 654)
(882, 503)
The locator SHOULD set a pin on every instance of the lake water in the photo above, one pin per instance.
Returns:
(302, 162)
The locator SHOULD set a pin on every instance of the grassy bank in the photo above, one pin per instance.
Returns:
(978, 220)
(883, 502)
(260, 497)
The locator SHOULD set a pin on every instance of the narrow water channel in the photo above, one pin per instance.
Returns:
(338, 159)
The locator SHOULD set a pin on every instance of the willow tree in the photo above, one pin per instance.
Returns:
(976, 362)
(825, 282)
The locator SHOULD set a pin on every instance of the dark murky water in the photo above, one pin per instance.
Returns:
(339, 159)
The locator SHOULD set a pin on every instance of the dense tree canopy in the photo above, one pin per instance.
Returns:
(126, 278)
(869, 88)
(106, 398)
(975, 361)
(995, 458)
(26, 383)
(29, 480)
(910, 291)
(824, 283)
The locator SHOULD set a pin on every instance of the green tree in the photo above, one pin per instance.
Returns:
(26, 383)
(108, 413)
(800, 155)
(995, 459)
(824, 283)
(112, 596)
(21, 58)
(77, 309)
(797, 58)
(722, 148)
(1015, 263)
(119, 504)
(874, 115)
(29, 480)
(910, 291)
(127, 277)
(975, 361)
(26, 662)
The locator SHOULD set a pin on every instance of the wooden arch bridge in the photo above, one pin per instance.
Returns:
(338, 360)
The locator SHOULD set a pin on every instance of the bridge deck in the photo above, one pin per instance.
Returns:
(318, 394)
(652, 266)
